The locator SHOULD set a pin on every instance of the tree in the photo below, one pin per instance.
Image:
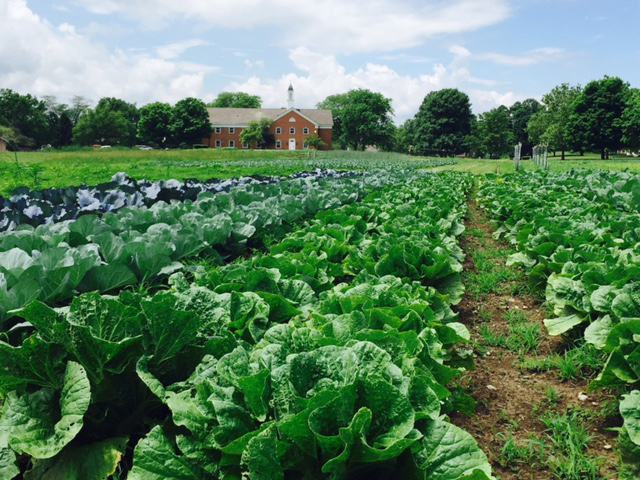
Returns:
(257, 133)
(113, 122)
(236, 100)
(79, 106)
(190, 121)
(495, 135)
(404, 137)
(521, 113)
(596, 121)
(8, 135)
(631, 121)
(128, 111)
(361, 118)
(60, 132)
(550, 124)
(101, 125)
(315, 141)
(443, 123)
(154, 126)
(26, 115)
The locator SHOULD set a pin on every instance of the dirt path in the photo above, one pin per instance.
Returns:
(518, 382)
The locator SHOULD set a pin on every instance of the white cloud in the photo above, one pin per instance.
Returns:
(39, 58)
(335, 26)
(324, 75)
(532, 57)
(175, 50)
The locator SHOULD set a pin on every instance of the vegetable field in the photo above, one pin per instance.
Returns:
(290, 327)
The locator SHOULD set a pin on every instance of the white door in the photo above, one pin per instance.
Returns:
(292, 144)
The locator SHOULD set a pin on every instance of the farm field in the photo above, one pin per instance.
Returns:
(59, 169)
(392, 323)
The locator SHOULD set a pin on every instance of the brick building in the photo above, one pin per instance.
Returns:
(290, 126)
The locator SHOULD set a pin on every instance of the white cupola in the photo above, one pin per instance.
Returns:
(290, 97)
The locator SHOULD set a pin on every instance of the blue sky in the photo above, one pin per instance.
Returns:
(497, 51)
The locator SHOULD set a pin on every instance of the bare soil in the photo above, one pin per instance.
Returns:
(510, 398)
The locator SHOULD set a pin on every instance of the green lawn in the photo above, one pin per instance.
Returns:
(586, 162)
(38, 170)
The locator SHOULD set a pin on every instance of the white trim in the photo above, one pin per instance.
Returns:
(292, 142)
(218, 130)
(218, 143)
(278, 144)
(305, 130)
(278, 130)
(232, 130)
(292, 130)
(292, 119)
(232, 143)
(297, 112)
(245, 145)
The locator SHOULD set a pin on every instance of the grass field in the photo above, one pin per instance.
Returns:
(39, 170)
(586, 162)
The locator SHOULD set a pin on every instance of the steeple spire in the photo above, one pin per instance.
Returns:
(290, 97)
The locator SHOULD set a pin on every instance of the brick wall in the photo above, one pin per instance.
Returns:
(300, 126)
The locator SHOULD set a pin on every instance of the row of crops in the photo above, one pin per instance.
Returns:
(134, 245)
(578, 236)
(329, 355)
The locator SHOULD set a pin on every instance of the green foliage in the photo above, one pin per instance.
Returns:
(596, 121)
(26, 115)
(550, 125)
(236, 100)
(257, 133)
(495, 133)
(277, 369)
(521, 113)
(104, 126)
(443, 123)
(315, 141)
(155, 124)
(190, 122)
(631, 120)
(361, 118)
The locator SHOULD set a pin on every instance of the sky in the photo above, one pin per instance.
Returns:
(496, 51)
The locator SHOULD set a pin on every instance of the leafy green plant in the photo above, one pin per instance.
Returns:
(275, 370)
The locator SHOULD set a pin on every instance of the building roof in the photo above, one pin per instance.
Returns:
(240, 117)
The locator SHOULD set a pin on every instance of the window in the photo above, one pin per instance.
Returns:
(292, 130)
(305, 130)
(232, 143)
(218, 144)
(292, 119)
(305, 146)
(232, 130)
(218, 129)
(278, 144)
(245, 145)
(278, 130)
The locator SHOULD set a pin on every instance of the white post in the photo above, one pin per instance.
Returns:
(516, 156)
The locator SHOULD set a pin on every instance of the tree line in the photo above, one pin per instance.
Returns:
(604, 116)
(27, 122)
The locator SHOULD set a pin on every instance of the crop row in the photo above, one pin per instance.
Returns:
(27, 207)
(581, 242)
(53, 262)
(329, 357)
